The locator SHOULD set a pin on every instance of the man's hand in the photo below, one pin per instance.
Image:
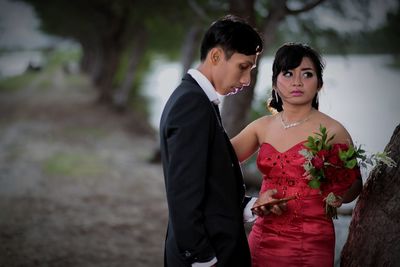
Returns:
(265, 210)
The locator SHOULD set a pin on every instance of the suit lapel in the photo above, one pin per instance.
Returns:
(238, 171)
(235, 161)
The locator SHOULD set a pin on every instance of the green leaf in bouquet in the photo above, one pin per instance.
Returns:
(319, 145)
(342, 155)
(324, 137)
(311, 144)
(313, 174)
(314, 183)
(322, 129)
(360, 151)
(350, 152)
(331, 138)
(351, 164)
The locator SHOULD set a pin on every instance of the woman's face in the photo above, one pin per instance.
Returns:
(299, 85)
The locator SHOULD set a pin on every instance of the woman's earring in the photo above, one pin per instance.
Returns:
(276, 96)
(316, 99)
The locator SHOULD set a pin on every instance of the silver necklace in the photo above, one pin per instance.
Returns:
(293, 124)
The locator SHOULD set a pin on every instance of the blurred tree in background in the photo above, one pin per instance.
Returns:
(110, 31)
(118, 38)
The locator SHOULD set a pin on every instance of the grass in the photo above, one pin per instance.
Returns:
(53, 60)
(84, 132)
(76, 165)
(15, 83)
(60, 57)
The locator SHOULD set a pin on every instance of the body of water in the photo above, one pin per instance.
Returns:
(15, 63)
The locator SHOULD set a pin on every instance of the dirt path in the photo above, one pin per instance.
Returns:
(76, 188)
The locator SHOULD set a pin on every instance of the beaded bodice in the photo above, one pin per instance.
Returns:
(284, 171)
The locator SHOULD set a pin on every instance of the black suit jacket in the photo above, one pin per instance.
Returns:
(204, 183)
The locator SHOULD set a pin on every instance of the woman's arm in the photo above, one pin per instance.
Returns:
(246, 142)
(342, 136)
(353, 192)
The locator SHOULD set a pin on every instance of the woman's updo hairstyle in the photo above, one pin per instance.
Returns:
(288, 57)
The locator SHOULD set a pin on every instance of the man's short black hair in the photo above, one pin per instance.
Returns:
(232, 34)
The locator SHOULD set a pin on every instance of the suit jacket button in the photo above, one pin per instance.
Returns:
(187, 254)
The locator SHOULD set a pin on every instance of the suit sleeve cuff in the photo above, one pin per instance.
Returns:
(205, 264)
(248, 215)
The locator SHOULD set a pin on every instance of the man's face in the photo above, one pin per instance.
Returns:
(230, 76)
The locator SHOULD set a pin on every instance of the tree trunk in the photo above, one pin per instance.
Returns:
(139, 43)
(190, 47)
(110, 56)
(374, 234)
(91, 60)
(235, 109)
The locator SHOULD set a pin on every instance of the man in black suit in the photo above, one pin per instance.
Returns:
(203, 179)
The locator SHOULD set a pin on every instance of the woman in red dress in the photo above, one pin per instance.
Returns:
(302, 235)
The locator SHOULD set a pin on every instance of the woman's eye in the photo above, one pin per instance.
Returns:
(287, 73)
(308, 74)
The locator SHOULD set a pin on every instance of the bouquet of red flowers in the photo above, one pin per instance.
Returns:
(334, 167)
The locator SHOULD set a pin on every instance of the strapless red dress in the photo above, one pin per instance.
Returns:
(302, 235)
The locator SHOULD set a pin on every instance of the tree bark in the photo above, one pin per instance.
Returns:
(374, 234)
(90, 61)
(110, 59)
(139, 44)
(190, 47)
(100, 61)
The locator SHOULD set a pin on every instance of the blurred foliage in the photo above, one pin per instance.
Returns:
(58, 57)
(15, 83)
(108, 30)
(53, 60)
(89, 133)
(385, 39)
(74, 164)
(337, 39)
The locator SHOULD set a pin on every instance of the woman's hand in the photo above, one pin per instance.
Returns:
(337, 202)
(267, 209)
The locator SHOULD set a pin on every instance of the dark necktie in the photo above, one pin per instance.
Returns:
(216, 108)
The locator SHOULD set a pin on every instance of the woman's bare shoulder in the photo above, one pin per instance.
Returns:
(260, 126)
(336, 128)
(262, 121)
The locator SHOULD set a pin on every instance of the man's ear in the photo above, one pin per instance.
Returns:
(215, 55)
